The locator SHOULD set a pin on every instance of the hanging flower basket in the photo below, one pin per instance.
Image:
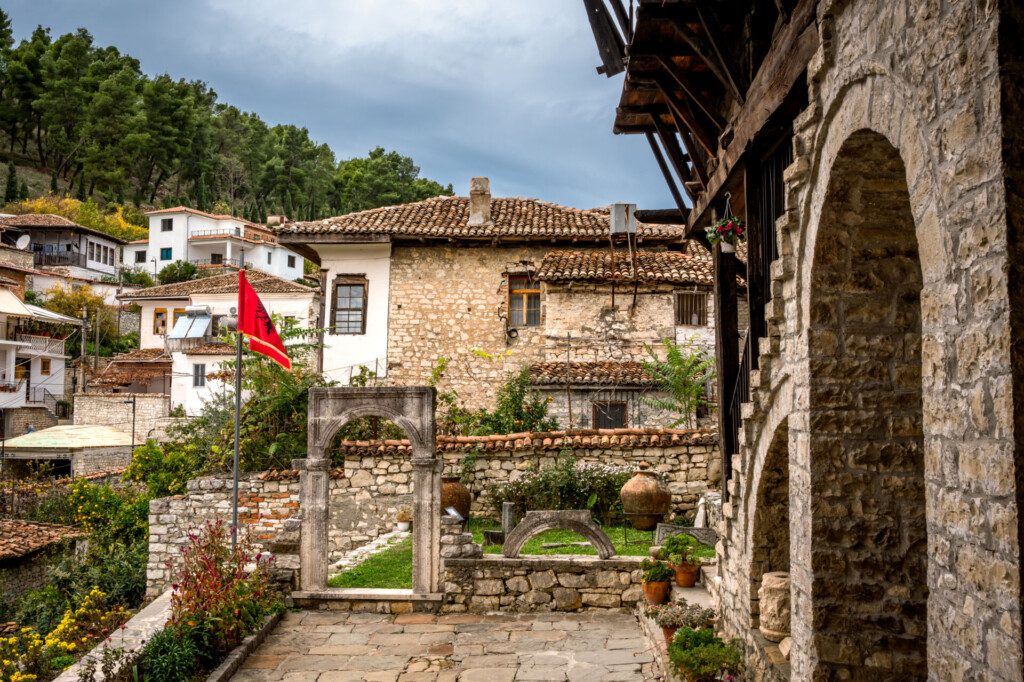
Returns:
(730, 231)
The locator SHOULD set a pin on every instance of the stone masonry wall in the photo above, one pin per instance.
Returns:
(925, 79)
(366, 494)
(492, 583)
(18, 420)
(447, 301)
(109, 409)
(93, 460)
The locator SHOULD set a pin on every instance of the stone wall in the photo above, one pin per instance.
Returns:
(366, 494)
(895, 168)
(21, 575)
(639, 413)
(492, 583)
(447, 301)
(93, 460)
(109, 409)
(18, 420)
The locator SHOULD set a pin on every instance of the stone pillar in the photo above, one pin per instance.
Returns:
(508, 517)
(426, 528)
(314, 480)
(774, 605)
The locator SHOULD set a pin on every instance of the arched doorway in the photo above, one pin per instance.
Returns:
(770, 533)
(868, 533)
(412, 409)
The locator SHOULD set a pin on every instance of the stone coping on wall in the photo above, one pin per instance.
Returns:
(549, 562)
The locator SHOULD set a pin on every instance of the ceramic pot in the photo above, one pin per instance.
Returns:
(657, 592)
(454, 494)
(728, 248)
(645, 499)
(669, 633)
(404, 526)
(686, 574)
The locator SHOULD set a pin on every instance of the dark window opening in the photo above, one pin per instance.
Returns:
(140, 256)
(166, 224)
(199, 375)
(348, 309)
(692, 308)
(291, 261)
(610, 414)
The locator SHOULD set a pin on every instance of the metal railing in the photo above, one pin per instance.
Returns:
(741, 391)
(66, 259)
(42, 344)
(215, 262)
(48, 400)
(217, 232)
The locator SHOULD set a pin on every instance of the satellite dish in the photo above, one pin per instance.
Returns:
(23, 241)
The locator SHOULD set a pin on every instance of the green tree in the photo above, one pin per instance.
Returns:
(79, 302)
(23, 192)
(178, 271)
(683, 376)
(381, 179)
(11, 193)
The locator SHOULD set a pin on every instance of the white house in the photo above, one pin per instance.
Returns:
(210, 241)
(181, 325)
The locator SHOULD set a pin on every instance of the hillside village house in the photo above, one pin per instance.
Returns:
(65, 253)
(210, 242)
(180, 353)
(494, 285)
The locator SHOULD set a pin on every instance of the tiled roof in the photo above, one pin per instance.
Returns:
(193, 211)
(262, 282)
(20, 538)
(512, 219)
(692, 266)
(143, 355)
(546, 440)
(37, 220)
(212, 348)
(138, 365)
(590, 373)
(8, 282)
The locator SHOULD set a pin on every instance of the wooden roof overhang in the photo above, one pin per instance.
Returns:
(703, 78)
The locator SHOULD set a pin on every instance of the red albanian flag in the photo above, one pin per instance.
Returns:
(255, 322)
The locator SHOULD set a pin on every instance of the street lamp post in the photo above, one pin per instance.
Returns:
(132, 403)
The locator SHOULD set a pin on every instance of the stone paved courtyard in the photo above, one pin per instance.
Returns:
(334, 647)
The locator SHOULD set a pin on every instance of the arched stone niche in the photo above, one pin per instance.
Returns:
(578, 521)
(410, 408)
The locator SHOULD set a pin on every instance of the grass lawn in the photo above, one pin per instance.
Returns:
(392, 568)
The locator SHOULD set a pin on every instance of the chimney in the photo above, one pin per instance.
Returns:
(479, 201)
(276, 220)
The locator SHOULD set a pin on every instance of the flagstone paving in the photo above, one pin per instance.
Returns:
(324, 646)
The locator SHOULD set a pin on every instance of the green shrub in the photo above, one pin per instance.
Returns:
(656, 571)
(41, 609)
(166, 469)
(678, 548)
(169, 656)
(566, 485)
(702, 657)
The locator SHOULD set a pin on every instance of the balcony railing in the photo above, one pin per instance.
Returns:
(43, 344)
(253, 235)
(65, 259)
(215, 262)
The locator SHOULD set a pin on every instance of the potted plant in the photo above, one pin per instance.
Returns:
(657, 581)
(403, 519)
(700, 656)
(683, 553)
(729, 231)
(669, 617)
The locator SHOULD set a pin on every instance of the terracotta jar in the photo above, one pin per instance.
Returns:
(454, 494)
(645, 499)
(657, 592)
(686, 574)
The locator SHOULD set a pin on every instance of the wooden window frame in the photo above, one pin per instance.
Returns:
(44, 367)
(291, 261)
(525, 293)
(598, 404)
(167, 224)
(175, 314)
(199, 375)
(348, 279)
(156, 321)
(678, 308)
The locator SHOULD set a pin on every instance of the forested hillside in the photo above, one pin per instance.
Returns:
(87, 117)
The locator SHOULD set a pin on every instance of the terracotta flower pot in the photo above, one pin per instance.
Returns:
(454, 494)
(645, 499)
(686, 574)
(669, 633)
(657, 592)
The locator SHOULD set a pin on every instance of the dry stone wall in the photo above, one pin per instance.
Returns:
(109, 409)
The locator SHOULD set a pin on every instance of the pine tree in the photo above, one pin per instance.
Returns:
(11, 190)
(81, 188)
(23, 194)
(53, 184)
(202, 200)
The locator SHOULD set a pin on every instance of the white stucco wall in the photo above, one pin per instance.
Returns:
(344, 353)
(183, 392)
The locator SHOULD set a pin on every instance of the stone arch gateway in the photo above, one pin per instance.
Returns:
(412, 409)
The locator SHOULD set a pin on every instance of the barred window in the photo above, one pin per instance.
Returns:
(523, 301)
(609, 414)
(348, 310)
(692, 308)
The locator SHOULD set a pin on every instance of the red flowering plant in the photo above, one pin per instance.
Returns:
(221, 596)
(730, 230)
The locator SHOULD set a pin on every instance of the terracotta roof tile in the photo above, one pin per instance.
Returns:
(212, 348)
(143, 355)
(138, 365)
(693, 266)
(37, 220)
(262, 282)
(512, 219)
(590, 373)
(545, 440)
(193, 211)
(20, 538)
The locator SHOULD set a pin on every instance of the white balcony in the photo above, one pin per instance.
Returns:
(42, 345)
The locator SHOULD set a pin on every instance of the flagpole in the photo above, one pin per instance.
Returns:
(238, 406)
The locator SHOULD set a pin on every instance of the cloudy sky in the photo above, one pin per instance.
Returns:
(504, 88)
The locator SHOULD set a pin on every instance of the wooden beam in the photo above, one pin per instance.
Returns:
(706, 139)
(609, 43)
(706, 55)
(695, 159)
(687, 86)
(675, 153)
(661, 216)
(756, 293)
(623, 19)
(785, 62)
(666, 173)
(726, 355)
(713, 30)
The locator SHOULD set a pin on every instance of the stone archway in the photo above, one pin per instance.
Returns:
(769, 536)
(869, 589)
(577, 520)
(412, 409)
